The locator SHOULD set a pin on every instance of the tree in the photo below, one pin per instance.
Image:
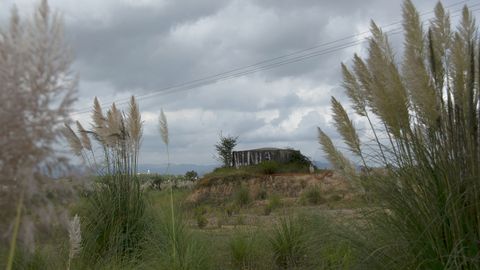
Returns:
(37, 90)
(224, 149)
(424, 115)
(191, 175)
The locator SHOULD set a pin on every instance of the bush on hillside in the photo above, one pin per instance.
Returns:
(242, 196)
(274, 202)
(191, 175)
(312, 195)
(269, 167)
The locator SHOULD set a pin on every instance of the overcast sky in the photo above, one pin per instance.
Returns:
(140, 47)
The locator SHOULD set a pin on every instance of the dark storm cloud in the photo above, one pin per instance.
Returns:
(123, 49)
(149, 47)
(139, 47)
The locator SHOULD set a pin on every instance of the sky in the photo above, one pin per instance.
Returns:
(144, 47)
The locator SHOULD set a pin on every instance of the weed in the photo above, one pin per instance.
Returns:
(242, 197)
(220, 220)
(243, 251)
(274, 202)
(240, 220)
(231, 209)
(261, 194)
(336, 256)
(267, 210)
(336, 197)
(269, 167)
(289, 243)
(202, 221)
(191, 175)
(157, 181)
(177, 248)
(312, 195)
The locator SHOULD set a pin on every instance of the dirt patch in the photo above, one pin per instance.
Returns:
(286, 185)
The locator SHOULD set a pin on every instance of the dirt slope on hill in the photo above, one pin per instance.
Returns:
(288, 185)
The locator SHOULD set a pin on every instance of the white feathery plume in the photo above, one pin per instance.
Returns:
(84, 137)
(163, 126)
(75, 238)
(73, 140)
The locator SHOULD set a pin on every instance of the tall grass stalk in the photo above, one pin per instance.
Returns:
(424, 113)
(249, 250)
(177, 248)
(13, 241)
(163, 124)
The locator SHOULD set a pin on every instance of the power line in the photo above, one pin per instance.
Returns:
(269, 63)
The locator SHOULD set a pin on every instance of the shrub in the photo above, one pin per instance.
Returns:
(191, 175)
(177, 247)
(200, 217)
(336, 256)
(156, 182)
(267, 210)
(242, 197)
(298, 158)
(220, 219)
(243, 251)
(289, 243)
(240, 220)
(336, 197)
(312, 195)
(261, 194)
(226, 176)
(231, 209)
(202, 221)
(269, 167)
(274, 202)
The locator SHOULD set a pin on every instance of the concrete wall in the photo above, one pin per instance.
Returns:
(253, 157)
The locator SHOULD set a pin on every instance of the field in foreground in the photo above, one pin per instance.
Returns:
(231, 219)
(240, 220)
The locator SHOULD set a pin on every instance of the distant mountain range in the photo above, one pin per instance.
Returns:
(200, 169)
(176, 168)
(322, 165)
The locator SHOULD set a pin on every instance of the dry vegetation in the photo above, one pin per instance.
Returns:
(218, 188)
(418, 210)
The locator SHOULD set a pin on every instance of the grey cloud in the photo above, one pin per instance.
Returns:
(141, 49)
(135, 49)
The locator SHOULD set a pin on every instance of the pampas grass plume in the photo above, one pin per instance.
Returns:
(75, 237)
(134, 122)
(163, 127)
(84, 137)
(73, 140)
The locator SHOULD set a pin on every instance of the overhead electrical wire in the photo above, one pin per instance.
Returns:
(273, 62)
